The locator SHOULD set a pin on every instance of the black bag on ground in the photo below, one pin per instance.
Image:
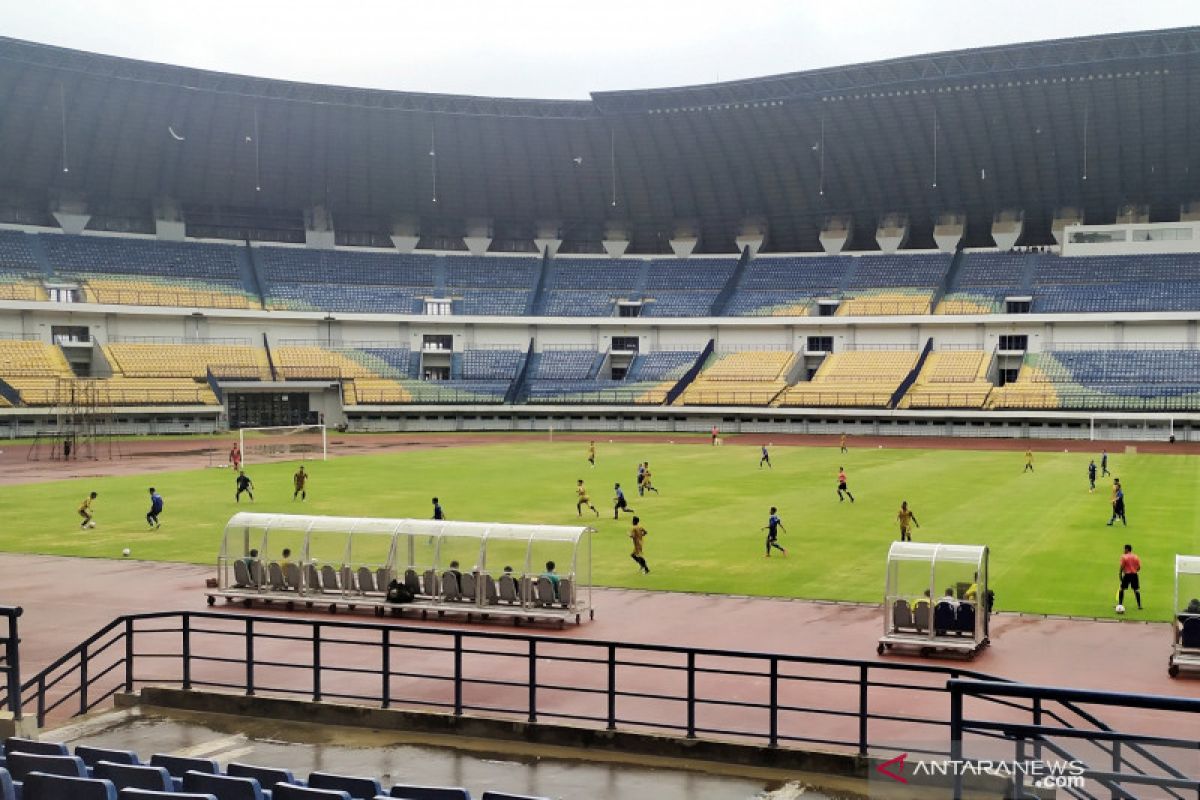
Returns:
(397, 592)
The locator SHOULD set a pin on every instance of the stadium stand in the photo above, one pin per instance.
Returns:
(1137, 379)
(951, 379)
(983, 281)
(20, 273)
(647, 381)
(893, 284)
(39, 773)
(227, 361)
(310, 362)
(681, 288)
(749, 377)
(857, 378)
(339, 280)
(787, 286)
(128, 271)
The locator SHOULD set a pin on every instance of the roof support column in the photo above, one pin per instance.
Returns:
(753, 233)
(948, 231)
(479, 236)
(549, 237)
(685, 239)
(318, 228)
(71, 213)
(405, 233)
(835, 232)
(892, 232)
(168, 220)
(616, 239)
(1007, 226)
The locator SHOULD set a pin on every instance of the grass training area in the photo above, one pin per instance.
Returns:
(1051, 551)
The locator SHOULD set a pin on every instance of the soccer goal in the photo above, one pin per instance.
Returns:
(283, 443)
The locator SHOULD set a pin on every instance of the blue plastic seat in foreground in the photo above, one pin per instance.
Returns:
(357, 788)
(505, 796)
(146, 794)
(135, 776)
(286, 791)
(267, 777)
(7, 791)
(94, 755)
(223, 786)
(178, 766)
(39, 786)
(20, 765)
(430, 792)
(16, 744)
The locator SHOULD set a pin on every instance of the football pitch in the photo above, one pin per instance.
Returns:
(1051, 551)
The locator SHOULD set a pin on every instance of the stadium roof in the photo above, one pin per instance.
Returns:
(1094, 123)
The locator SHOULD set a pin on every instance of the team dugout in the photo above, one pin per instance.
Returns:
(936, 598)
(485, 568)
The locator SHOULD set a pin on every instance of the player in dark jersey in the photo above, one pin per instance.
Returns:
(244, 484)
(773, 527)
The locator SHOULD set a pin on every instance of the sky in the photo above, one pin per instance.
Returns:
(555, 48)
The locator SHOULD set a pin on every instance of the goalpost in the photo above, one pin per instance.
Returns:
(283, 443)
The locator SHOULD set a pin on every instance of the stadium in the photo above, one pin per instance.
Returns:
(967, 281)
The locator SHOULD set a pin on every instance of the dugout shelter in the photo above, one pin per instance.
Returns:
(1185, 650)
(936, 599)
(488, 569)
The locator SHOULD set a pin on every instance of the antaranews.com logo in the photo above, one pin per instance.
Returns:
(1032, 773)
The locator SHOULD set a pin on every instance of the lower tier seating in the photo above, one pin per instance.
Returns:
(1127, 379)
(115, 391)
(751, 377)
(951, 379)
(144, 360)
(858, 378)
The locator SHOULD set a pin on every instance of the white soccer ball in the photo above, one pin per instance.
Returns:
(125, 552)
(1120, 609)
(91, 524)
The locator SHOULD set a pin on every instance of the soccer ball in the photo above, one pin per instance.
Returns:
(125, 552)
(1120, 609)
(91, 524)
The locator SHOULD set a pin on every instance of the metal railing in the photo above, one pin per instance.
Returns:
(755, 697)
(1130, 759)
(856, 707)
(10, 659)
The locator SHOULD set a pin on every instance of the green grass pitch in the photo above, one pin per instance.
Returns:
(1051, 551)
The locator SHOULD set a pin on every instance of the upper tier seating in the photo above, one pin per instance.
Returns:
(618, 276)
(488, 365)
(486, 272)
(150, 258)
(951, 379)
(689, 274)
(750, 377)
(649, 377)
(911, 270)
(858, 378)
(574, 303)
(226, 361)
(884, 302)
(564, 365)
(130, 271)
(20, 274)
(344, 298)
(1119, 379)
(778, 286)
(491, 302)
(678, 304)
(367, 268)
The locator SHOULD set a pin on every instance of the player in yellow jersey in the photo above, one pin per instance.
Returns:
(1028, 461)
(906, 518)
(592, 453)
(300, 483)
(581, 493)
(85, 511)
(647, 483)
(637, 533)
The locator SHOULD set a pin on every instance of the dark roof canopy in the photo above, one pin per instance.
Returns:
(1095, 123)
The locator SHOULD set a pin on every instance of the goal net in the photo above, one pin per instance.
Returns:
(283, 443)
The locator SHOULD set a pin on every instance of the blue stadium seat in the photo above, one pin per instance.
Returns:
(146, 794)
(506, 796)
(223, 787)
(135, 776)
(285, 791)
(20, 765)
(17, 744)
(267, 777)
(179, 766)
(357, 788)
(7, 790)
(94, 755)
(40, 786)
(429, 793)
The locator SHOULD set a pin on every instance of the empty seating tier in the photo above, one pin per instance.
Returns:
(751, 377)
(951, 379)
(1116, 380)
(859, 379)
(225, 361)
